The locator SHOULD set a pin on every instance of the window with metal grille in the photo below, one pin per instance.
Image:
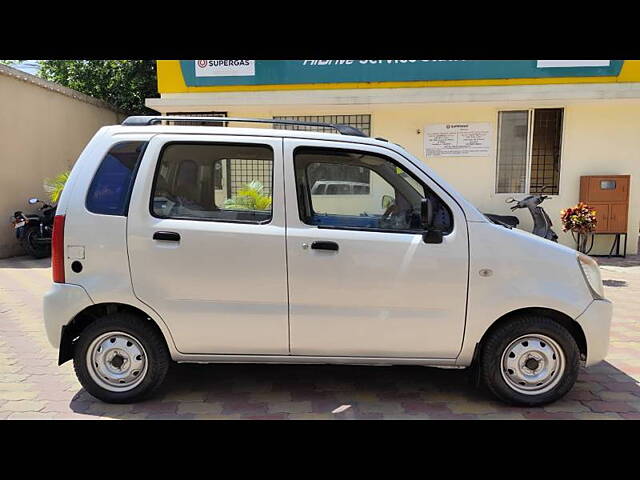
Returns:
(240, 173)
(529, 151)
(357, 176)
(198, 114)
(361, 122)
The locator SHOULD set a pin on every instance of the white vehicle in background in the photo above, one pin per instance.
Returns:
(339, 188)
(212, 244)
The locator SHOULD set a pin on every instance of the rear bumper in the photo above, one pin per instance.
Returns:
(61, 304)
(596, 324)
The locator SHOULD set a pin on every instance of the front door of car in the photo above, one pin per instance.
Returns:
(206, 241)
(362, 279)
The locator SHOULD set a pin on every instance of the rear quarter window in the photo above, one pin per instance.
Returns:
(111, 186)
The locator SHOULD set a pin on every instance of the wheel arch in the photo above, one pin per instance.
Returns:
(563, 319)
(72, 331)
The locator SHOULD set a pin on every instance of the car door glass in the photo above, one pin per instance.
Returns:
(221, 182)
(111, 186)
(363, 190)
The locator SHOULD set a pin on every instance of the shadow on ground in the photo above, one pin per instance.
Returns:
(283, 391)
(25, 262)
(628, 261)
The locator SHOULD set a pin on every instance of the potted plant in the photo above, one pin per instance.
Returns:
(580, 220)
(251, 197)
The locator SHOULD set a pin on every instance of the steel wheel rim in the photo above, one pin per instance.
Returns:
(532, 364)
(117, 361)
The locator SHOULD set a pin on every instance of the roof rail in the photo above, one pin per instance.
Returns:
(152, 120)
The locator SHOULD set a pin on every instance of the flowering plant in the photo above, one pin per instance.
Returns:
(580, 218)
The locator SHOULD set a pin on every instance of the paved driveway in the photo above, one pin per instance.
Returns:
(33, 386)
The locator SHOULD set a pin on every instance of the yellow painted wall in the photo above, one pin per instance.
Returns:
(599, 138)
(41, 134)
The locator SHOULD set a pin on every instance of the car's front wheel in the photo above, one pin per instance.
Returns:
(530, 361)
(121, 358)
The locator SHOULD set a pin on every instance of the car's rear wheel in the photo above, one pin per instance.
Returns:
(530, 361)
(121, 358)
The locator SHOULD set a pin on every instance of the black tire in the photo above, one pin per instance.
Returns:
(490, 361)
(157, 356)
(36, 250)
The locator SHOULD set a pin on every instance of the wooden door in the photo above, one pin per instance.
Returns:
(618, 217)
(602, 216)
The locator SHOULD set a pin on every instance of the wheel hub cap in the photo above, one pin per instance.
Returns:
(117, 361)
(532, 364)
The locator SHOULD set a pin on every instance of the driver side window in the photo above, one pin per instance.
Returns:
(350, 189)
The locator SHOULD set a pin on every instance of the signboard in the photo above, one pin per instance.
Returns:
(457, 139)
(203, 73)
(225, 68)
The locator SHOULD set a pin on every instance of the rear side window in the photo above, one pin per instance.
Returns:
(215, 182)
(111, 186)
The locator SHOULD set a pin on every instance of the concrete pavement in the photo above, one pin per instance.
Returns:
(32, 386)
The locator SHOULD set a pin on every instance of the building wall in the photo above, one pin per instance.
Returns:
(42, 133)
(600, 137)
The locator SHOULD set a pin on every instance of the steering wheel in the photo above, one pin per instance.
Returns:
(393, 217)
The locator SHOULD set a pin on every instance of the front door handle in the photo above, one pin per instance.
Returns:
(325, 246)
(168, 236)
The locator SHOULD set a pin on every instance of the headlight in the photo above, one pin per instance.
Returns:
(591, 272)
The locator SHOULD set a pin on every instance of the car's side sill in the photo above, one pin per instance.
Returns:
(426, 362)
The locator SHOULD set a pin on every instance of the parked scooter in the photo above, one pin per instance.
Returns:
(541, 222)
(34, 230)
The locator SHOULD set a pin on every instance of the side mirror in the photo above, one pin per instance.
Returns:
(387, 201)
(426, 213)
(33, 201)
(431, 235)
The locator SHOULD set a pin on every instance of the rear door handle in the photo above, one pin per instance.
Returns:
(168, 236)
(325, 246)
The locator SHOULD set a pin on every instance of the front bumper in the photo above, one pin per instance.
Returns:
(61, 304)
(596, 325)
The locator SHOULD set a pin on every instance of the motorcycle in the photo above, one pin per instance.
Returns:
(541, 222)
(34, 230)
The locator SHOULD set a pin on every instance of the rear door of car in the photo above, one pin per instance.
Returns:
(206, 242)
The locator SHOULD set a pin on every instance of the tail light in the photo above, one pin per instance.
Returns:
(57, 249)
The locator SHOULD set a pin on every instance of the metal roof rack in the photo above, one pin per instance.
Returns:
(153, 120)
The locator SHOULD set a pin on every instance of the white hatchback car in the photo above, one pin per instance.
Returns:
(207, 244)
